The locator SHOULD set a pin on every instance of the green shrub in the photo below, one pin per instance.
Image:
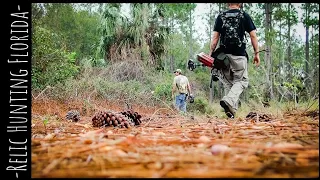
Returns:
(200, 105)
(51, 64)
(163, 91)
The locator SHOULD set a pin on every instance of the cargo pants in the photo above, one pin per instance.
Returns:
(235, 79)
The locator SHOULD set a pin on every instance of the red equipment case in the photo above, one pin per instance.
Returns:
(205, 59)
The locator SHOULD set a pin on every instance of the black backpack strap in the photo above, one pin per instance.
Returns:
(244, 30)
(223, 18)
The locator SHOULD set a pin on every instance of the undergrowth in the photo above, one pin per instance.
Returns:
(140, 86)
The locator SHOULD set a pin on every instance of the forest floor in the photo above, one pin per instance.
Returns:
(171, 145)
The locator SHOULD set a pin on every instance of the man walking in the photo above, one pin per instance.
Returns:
(182, 87)
(230, 28)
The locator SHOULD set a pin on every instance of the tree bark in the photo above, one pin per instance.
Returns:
(307, 45)
(281, 52)
(172, 65)
(190, 36)
(269, 90)
(289, 42)
(315, 59)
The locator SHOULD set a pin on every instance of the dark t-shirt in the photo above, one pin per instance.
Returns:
(247, 26)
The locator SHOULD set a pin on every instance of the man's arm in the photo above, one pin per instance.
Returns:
(214, 42)
(254, 41)
(189, 89)
(216, 34)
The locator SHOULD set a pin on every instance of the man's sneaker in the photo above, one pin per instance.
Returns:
(227, 109)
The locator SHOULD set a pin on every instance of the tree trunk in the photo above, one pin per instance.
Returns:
(190, 36)
(269, 90)
(307, 45)
(281, 52)
(289, 42)
(281, 58)
(315, 59)
(167, 64)
(172, 66)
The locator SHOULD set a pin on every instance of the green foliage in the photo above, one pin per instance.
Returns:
(76, 27)
(200, 105)
(163, 91)
(85, 35)
(45, 121)
(118, 90)
(295, 85)
(111, 21)
(141, 34)
(61, 36)
(161, 85)
(201, 78)
(51, 64)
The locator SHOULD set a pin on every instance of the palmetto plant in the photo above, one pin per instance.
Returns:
(140, 34)
(111, 24)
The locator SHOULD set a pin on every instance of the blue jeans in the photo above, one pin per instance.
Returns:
(181, 102)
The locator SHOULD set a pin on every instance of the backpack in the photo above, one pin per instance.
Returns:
(231, 27)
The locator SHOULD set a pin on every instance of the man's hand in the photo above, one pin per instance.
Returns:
(256, 59)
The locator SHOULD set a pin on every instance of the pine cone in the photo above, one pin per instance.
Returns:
(134, 117)
(110, 118)
(73, 115)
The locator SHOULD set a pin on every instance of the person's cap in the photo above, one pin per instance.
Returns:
(178, 70)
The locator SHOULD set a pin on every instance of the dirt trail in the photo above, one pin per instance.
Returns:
(170, 145)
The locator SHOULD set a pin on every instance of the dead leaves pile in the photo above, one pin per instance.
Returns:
(174, 147)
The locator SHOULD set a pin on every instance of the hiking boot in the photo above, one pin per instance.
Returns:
(227, 109)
